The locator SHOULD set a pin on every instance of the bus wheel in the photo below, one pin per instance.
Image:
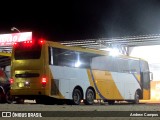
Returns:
(111, 102)
(77, 96)
(136, 98)
(89, 97)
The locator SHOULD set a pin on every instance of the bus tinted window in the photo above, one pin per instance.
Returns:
(104, 63)
(115, 64)
(128, 65)
(134, 66)
(63, 57)
(27, 52)
(70, 58)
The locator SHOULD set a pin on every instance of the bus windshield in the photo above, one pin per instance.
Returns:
(24, 51)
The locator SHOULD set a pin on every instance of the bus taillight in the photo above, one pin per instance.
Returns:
(44, 81)
(41, 41)
(11, 80)
(28, 42)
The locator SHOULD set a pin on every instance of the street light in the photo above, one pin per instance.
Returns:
(14, 28)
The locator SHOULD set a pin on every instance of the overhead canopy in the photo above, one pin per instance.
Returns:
(128, 41)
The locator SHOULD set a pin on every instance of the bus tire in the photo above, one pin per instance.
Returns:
(111, 102)
(136, 98)
(89, 97)
(76, 96)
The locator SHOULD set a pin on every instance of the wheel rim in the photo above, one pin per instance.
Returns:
(90, 96)
(137, 98)
(76, 97)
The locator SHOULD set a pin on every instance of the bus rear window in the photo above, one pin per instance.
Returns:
(22, 51)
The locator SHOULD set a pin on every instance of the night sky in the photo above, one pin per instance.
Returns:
(82, 19)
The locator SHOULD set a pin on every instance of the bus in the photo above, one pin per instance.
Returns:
(48, 71)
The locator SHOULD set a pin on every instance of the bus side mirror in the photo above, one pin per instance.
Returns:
(151, 76)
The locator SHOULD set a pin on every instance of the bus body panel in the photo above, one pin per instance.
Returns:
(129, 85)
(69, 78)
(108, 84)
(31, 71)
(119, 86)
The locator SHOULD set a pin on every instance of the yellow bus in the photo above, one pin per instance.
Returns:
(51, 72)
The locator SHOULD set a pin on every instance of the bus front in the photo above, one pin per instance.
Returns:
(28, 74)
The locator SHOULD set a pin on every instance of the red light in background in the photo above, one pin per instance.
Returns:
(9, 39)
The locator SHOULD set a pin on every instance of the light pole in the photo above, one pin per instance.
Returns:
(14, 28)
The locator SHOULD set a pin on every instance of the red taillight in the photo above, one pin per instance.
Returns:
(11, 81)
(44, 81)
(41, 41)
(28, 43)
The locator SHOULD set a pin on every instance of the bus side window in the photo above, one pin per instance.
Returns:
(123, 65)
(134, 66)
(63, 57)
(104, 63)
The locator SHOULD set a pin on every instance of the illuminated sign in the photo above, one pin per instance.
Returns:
(10, 39)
